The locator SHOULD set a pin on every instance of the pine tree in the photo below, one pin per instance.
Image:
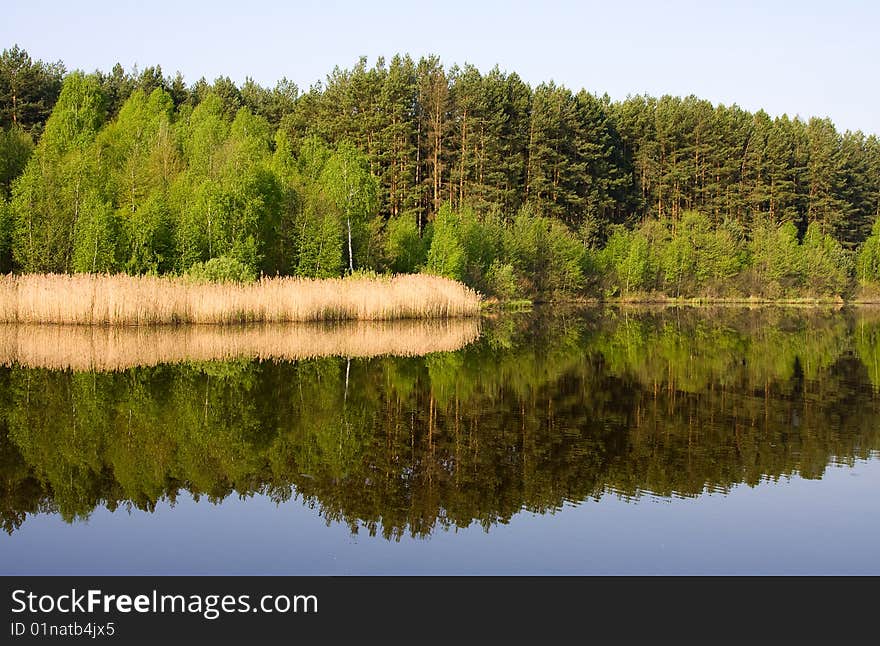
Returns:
(825, 176)
(28, 90)
(431, 132)
(16, 147)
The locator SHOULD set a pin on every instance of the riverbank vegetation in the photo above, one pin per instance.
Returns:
(88, 299)
(409, 166)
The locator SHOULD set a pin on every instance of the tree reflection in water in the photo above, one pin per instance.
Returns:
(539, 411)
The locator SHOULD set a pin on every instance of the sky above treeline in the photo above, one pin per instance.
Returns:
(804, 58)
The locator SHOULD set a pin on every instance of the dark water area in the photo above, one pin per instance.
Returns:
(685, 440)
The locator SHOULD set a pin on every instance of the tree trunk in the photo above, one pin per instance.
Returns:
(463, 155)
(350, 259)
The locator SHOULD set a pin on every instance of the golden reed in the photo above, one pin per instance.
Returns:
(112, 348)
(88, 299)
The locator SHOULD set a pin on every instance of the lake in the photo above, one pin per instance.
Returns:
(615, 440)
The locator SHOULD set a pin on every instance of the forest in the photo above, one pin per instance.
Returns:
(518, 191)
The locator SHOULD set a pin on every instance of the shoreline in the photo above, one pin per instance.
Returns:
(120, 299)
(524, 305)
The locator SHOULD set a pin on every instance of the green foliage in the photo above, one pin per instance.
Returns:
(539, 254)
(149, 236)
(230, 199)
(777, 260)
(16, 147)
(77, 117)
(501, 280)
(319, 239)
(722, 253)
(546, 254)
(141, 159)
(349, 184)
(578, 194)
(59, 177)
(314, 220)
(404, 247)
(5, 242)
(483, 239)
(868, 259)
(201, 135)
(28, 90)
(95, 237)
(627, 262)
(447, 255)
(827, 267)
(222, 269)
(697, 258)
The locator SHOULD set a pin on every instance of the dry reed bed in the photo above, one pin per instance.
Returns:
(88, 299)
(104, 348)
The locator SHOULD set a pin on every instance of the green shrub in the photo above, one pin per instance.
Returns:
(827, 266)
(404, 247)
(627, 262)
(868, 258)
(696, 256)
(221, 269)
(447, 257)
(546, 253)
(5, 247)
(777, 261)
(501, 280)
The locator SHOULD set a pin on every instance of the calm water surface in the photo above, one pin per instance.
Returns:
(606, 441)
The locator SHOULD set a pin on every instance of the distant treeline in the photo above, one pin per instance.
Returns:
(408, 166)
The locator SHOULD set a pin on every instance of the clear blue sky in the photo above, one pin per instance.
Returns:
(796, 57)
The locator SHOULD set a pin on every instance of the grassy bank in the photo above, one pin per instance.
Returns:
(89, 299)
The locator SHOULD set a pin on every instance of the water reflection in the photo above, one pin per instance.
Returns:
(102, 348)
(539, 411)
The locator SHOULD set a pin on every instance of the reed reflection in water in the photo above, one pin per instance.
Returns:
(113, 348)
